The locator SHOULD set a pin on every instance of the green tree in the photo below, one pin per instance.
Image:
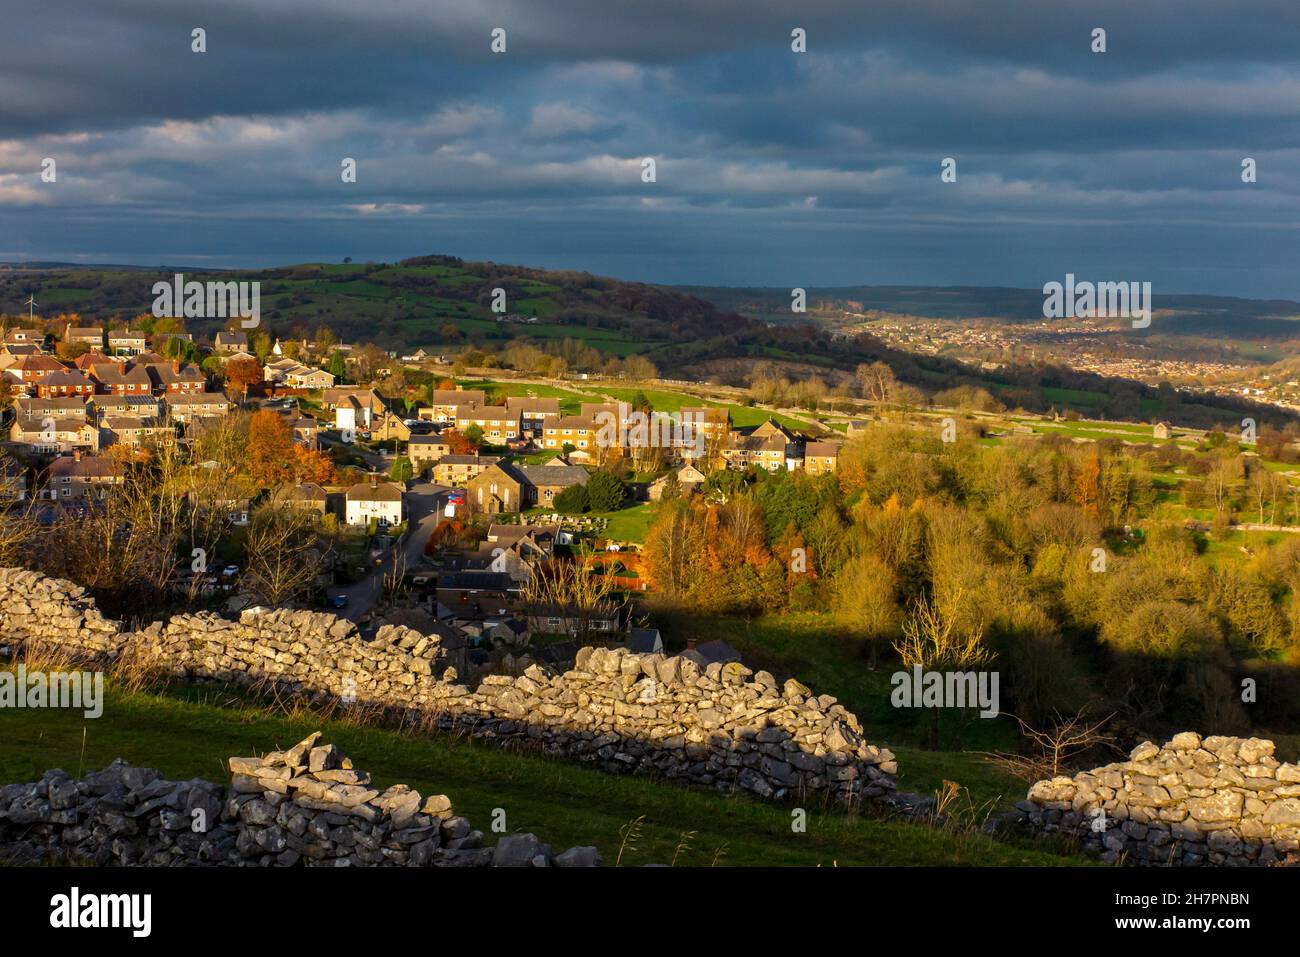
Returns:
(605, 492)
(572, 501)
(338, 366)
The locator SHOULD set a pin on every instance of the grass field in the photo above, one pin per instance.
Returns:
(809, 647)
(188, 732)
(629, 524)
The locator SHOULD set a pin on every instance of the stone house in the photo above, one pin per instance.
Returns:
(80, 476)
(820, 458)
(534, 412)
(425, 451)
(230, 342)
(457, 470)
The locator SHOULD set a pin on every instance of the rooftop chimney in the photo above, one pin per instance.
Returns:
(691, 643)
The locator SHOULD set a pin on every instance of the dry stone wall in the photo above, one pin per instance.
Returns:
(306, 806)
(1194, 801)
(723, 726)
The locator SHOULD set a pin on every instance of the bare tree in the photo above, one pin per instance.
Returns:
(932, 639)
(18, 526)
(573, 592)
(1054, 748)
(877, 382)
(285, 550)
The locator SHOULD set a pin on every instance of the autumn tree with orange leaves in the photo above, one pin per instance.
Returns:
(241, 373)
(270, 449)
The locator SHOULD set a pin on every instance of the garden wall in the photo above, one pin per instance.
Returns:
(1194, 801)
(306, 806)
(723, 727)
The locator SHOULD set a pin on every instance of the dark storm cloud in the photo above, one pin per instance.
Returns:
(772, 167)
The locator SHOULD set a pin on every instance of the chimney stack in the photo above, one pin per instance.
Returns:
(691, 644)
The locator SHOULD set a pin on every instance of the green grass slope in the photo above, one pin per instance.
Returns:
(188, 732)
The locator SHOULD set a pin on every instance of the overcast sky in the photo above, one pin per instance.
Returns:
(773, 168)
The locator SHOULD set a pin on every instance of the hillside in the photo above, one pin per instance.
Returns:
(1187, 315)
(444, 305)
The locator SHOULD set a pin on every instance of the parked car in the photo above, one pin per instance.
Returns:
(339, 601)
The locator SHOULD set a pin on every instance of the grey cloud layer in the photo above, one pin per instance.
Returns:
(771, 166)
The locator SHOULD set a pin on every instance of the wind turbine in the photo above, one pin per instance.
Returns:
(31, 307)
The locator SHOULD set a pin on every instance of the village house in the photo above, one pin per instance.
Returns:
(305, 495)
(141, 405)
(591, 410)
(171, 378)
(294, 375)
(425, 451)
(380, 501)
(498, 488)
(534, 412)
(498, 423)
(274, 372)
(644, 641)
(306, 377)
(355, 409)
(578, 431)
(186, 406)
(127, 342)
(507, 487)
(84, 361)
(557, 620)
(689, 479)
(117, 379)
(229, 342)
(133, 431)
(476, 594)
(92, 336)
(306, 431)
(457, 470)
(770, 446)
(237, 510)
(352, 416)
(444, 403)
(65, 383)
(29, 371)
(48, 435)
(9, 355)
(79, 476)
(25, 337)
(820, 458)
(63, 407)
(387, 426)
(713, 423)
